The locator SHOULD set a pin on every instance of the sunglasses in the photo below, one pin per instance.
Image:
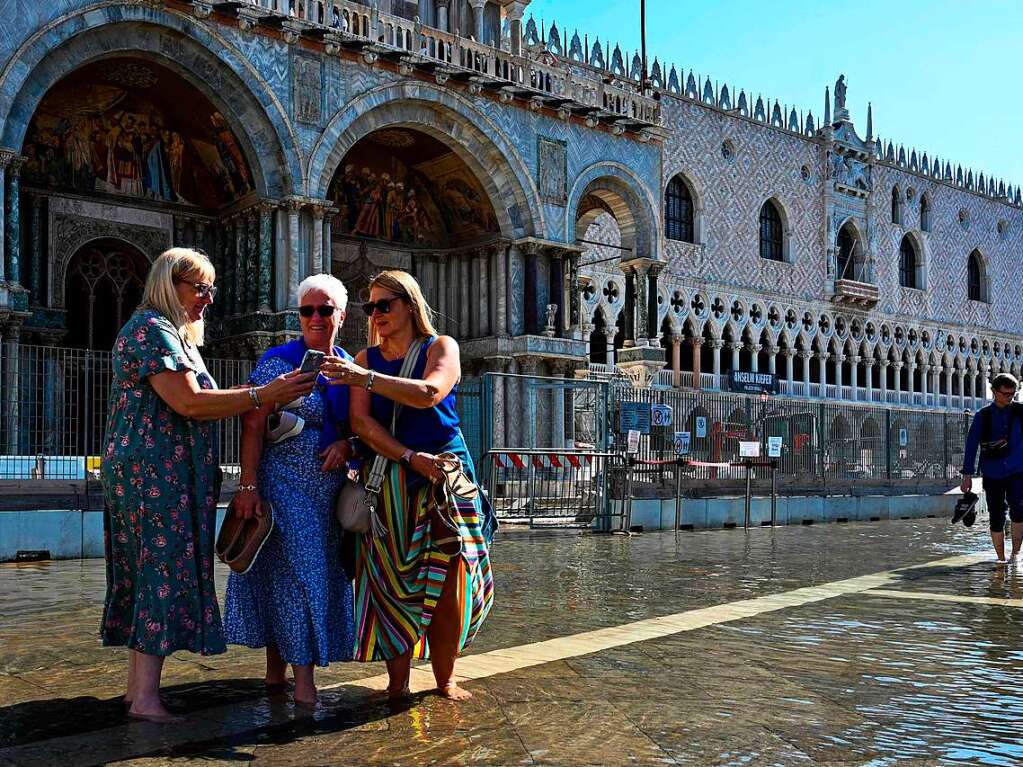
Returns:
(383, 305)
(202, 290)
(323, 310)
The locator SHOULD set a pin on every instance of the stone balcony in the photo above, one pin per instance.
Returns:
(539, 78)
(855, 293)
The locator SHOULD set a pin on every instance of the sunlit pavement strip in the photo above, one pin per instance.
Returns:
(930, 596)
(136, 739)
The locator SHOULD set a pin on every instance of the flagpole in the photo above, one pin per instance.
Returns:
(642, 42)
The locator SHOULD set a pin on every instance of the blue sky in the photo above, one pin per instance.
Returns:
(945, 77)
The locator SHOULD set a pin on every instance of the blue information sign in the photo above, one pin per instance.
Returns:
(635, 416)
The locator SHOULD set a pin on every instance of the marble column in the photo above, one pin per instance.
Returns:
(316, 262)
(897, 367)
(697, 343)
(528, 406)
(35, 266)
(292, 208)
(465, 312)
(789, 367)
(716, 345)
(514, 13)
(556, 291)
(5, 160)
(443, 324)
(486, 294)
(11, 388)
(772, 360)
(883, 377)
(226, 267)
(477, 13)
(251, 260)
(925, 372)
(868, 372)
(948, 386)
(736, 348)
(640, 306)
(452, 291)
(806, 355)
(822, 367)
(478, 283)
(839, 359)
(961, 375)
(854, 374)
(240, 264)
(911, 379)
(443, 23)
(676, 361)
(754, 353)
(530, 293)
(513, 407)
(12, 230)
(514, 291)
(266, 249)
(499, 291)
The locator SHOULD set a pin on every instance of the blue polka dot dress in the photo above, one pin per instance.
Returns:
(296, 596)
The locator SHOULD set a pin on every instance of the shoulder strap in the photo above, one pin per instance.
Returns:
(376, 472)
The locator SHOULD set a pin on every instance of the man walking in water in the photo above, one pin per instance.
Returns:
(997, 431)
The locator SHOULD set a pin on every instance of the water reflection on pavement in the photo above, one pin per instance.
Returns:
(923, 669)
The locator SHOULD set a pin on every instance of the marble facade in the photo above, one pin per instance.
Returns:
(574, 158)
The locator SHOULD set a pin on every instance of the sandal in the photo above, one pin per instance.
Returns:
(455, 478)
(450, 544)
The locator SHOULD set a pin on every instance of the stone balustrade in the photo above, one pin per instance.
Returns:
(541, 77)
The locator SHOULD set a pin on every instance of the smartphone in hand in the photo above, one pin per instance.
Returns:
(311, 361)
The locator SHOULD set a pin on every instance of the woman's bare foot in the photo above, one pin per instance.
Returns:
(151, 709)
(452, 691)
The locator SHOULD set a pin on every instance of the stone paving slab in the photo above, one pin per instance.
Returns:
(708, 648)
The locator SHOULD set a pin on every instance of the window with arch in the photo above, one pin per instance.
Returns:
(849, 258)
(925, 213)
(976, 279)
(908, 264)
(679, 213)
(896, 206)
(772, 235)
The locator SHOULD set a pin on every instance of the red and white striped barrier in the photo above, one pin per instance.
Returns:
(542, 460)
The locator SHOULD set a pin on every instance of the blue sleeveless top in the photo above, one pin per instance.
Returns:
(427, 430)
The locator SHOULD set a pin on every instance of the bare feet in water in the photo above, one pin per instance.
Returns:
(452, 691)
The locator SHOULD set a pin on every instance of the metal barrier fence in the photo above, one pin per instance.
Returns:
(552, 488)
(55, 405)
(823, 442)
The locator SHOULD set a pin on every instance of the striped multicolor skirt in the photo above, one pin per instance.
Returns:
(399, 577)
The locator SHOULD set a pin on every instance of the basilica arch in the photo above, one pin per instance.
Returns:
(452, 121)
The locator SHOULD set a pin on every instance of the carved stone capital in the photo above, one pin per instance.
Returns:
(202, 9)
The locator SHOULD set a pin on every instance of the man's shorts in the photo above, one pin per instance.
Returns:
(1002, 493)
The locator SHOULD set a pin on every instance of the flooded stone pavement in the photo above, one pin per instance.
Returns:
(893, 643)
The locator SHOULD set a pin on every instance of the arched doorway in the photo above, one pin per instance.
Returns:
(104, 285)
(126, 150)
(406, 200)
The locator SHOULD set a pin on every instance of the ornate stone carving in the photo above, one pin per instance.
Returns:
(307, 88)
(68, 233)
(552, 170)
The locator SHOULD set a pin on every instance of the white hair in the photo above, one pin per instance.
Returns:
(327, 283)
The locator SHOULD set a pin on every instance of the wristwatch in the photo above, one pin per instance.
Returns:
(406, 457)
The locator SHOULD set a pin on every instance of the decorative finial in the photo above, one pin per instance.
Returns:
(827, 105)
(870, 121)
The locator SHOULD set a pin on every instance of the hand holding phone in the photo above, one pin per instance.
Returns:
(311, 361)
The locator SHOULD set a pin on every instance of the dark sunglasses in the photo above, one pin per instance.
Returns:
(202, 289)
(323, 310)
(383, 305)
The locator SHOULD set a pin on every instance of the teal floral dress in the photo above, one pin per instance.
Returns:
(161, 482)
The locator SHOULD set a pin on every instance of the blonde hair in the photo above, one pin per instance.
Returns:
(404, 284)
(161, 296)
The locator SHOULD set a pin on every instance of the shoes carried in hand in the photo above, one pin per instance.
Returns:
(966, 509)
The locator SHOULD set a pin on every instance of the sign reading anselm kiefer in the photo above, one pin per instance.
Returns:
(752, 383)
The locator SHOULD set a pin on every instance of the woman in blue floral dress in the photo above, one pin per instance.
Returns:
(296, 601)
(160, 475)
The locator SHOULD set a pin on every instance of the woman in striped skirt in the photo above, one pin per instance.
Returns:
(424, 587)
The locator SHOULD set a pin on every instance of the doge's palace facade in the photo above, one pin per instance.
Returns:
(563, 219)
